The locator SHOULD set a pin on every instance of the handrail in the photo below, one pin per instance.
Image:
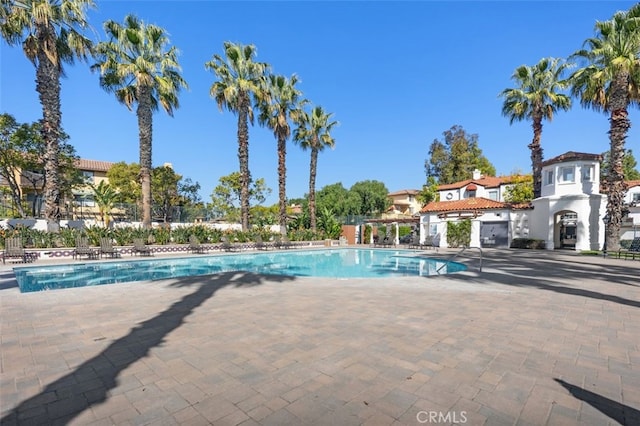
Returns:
(458, 254)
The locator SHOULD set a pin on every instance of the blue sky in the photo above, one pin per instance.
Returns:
(395, 74)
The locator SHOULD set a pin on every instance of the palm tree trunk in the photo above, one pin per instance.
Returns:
(619, 126)
(536, 156)
(48, 88)
(243, 158)
(282, 183)
(145, 129)
(312, 186)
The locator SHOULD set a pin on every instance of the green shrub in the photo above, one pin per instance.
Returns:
(67, 236)
(42, 239)
(95, 232)
(123, 235)
(459, 233)
(161, 235)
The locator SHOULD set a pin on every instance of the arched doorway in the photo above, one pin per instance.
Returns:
(566, 229)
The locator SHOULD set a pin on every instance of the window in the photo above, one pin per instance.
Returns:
(433, 229)
(549, 178)
(84, 200)
(635, 198)
(567, 174)
(88, 176)
(587, 173)
(493, 195)
(472, 194)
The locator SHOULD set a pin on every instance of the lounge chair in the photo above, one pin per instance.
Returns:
(227, 245)
(83, 249)
(386, 241)
(282, 242)
(195, 246)
(260, 244)
(632, 251)
(428, 243)
(414, 242)
(107, 249)
(13, 249)
(140, 248)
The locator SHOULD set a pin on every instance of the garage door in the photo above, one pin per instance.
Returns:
(494, 234)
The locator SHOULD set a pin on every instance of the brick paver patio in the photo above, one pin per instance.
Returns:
(536, 338)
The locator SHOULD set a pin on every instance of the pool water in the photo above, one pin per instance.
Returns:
(330, 263)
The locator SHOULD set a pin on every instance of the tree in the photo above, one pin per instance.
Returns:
(520, 190)
(337, 198)
(164, 194)
(328, 223)
(240, 79)
(373, 197)
(629, 164)
(21, 162)
(11, 161)
(171, 193)
(50, 34)
(314, 133)
(227, 195)
(609, 82)
(455, 158)
(536, 98)
(124, 178)
(429, 192)
(137, 65)
(283, 103)
(105, 197)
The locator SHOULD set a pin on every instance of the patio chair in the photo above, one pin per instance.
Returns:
(415, 242)
(13, 249)
(195, 246)
(140, 248)
(385, 241)
(83, 249)
(632, 251)
(227, 245)
(282, 242)
(260, 244)
(107, 249)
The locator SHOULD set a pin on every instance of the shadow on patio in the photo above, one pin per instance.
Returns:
(89, 383)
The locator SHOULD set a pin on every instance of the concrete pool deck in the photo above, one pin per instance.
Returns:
(537, 338)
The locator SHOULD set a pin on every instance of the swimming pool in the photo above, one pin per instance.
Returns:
(330, 263)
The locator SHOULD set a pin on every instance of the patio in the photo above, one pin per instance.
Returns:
(536, 338)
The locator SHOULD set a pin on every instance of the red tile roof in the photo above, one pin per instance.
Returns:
(632, 183)
(404, 192)
(93, 165)
(470, 204)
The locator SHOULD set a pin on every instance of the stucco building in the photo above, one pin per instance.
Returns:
(568, 214)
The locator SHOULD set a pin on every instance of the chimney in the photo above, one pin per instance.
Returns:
(476, 174)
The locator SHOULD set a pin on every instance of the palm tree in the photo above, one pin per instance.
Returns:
(138, 66)
(609, 83)
(536, 98)
(283, 102)
(314, 132)
(50, 34)
(105, 197)
(240, 79)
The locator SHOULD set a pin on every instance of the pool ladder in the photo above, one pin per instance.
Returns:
(458, 254)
